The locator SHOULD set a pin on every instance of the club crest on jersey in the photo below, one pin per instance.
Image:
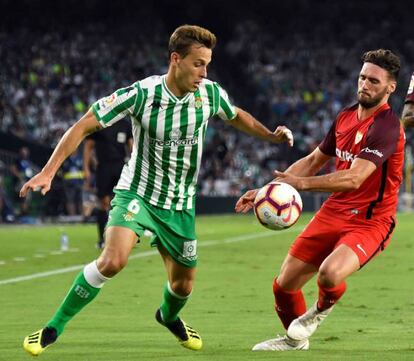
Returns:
(198, 102)
(128, 216)
(358, 137)
(175, 134)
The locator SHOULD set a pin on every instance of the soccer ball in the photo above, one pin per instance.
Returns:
(277, 206)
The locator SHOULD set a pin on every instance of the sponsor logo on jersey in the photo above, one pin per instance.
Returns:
(173, 142)
(156, 104)
(344, 155)
(362, 250)
(358, 137)
(373, 151)
(198, 102)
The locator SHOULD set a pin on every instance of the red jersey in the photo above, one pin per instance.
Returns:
(379, 139)
(410, 93)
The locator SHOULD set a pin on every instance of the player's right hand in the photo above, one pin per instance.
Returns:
(284, 134)
(246, 201)
(39, 182)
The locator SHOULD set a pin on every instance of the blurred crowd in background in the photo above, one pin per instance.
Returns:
(299, 69)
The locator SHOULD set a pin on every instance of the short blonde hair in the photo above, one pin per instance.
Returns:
(186, 35)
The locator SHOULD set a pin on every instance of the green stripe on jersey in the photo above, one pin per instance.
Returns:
(230, 114)
(141, 98)
(216, 100)
(192, 174)
(180, 155)
(139, 143)
(152, 133)
(165, 158)
(210, 92)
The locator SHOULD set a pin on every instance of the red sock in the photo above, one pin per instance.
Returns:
(288, 304)
(329, 296)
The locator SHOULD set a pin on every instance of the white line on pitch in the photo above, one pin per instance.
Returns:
(207, 243)
(19, 259)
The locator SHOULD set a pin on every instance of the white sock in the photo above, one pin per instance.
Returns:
(93, 276)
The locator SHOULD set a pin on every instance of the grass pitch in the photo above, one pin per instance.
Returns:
(231, 307)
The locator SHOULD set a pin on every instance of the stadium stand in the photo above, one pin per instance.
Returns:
(284, 71)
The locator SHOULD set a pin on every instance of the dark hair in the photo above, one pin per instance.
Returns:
(385, 59)
(186, 35)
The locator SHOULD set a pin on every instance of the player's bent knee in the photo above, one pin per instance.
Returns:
(111, 266)
(329, 276)
(182, 287)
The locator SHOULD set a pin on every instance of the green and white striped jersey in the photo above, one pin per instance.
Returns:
(168, 137)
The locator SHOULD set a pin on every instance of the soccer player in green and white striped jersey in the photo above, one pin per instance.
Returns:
(168, 132)
(156, 190)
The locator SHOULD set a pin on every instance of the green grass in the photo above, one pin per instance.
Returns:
(232, 305)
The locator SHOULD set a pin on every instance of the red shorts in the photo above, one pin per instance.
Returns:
(328, 229)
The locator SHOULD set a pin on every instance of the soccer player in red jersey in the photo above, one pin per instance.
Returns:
(408, 111)
(356, 222)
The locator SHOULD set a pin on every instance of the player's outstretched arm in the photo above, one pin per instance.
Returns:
(66, 146)
(309, 165)
(408, 115)
(339, 181)
(248, 124)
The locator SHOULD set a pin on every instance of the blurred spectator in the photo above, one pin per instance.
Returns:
(408, 110)
(286, 71)
(72, 174)
(6, 208)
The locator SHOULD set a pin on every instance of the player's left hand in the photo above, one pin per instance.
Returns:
(293, 180)
(283, 134)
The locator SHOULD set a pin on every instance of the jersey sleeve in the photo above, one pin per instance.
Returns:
(410, 93)
(116, 106)
(328, 144)
(226, 110)
(382, 139)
